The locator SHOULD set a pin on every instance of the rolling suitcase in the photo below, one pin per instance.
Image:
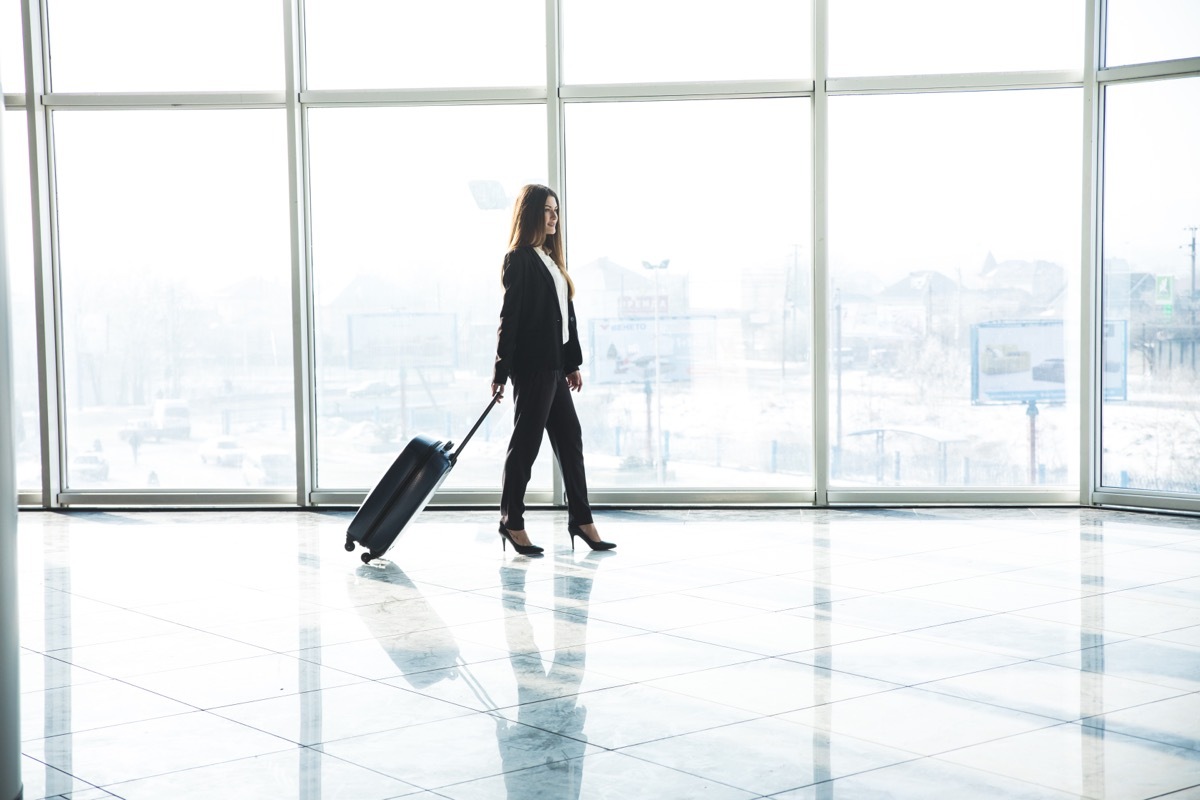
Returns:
(404, 490)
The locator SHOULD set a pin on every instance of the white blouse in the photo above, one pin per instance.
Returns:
(560, 284)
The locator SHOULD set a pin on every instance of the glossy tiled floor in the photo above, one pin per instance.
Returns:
(1017, 653)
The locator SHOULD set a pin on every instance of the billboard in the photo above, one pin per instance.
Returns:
(1018, 361)
(622, 349)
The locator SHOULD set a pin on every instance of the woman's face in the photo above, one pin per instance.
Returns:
(551, 215)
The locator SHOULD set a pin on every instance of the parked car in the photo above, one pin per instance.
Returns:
(224, 452)
(269, 469)
(89, 466)
(1052, 369)
(371, 389)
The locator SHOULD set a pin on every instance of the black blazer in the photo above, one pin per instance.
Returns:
(530, 334)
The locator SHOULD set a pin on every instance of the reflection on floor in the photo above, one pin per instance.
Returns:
(959, 653)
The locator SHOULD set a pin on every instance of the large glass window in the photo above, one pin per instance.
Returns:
(1152, 30)
(173, 242)
(384, 44)
(954, 232)
(631, 41)
(155, 46)
(18, 232)
(12, 48)
(688, 239)
(1151, 299)
(917, 37)
(410, 216)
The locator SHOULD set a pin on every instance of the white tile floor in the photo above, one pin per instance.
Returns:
(961, 653)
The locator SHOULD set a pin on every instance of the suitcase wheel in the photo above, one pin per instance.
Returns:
(349, 544)
(367, 557)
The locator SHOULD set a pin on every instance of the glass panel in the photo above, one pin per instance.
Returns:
(1150, 421)
(1152, 30)
(12, 48)
(157, 46)
(630, 41)
(175, 258)
(953, 249)
(410, 216)
(382, 44)
(691, 254)
(18, 229)
(919, 37)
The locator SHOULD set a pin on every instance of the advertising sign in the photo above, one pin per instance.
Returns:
(1114, 358)
(623, 349)
(1019, 361)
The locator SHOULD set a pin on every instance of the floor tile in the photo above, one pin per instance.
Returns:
(1051, 690)
(1086, 762)
(1118, 613)
(771, 685)
(121, 753)
(505, 682)
(187, 648)
(296, 773)
(766, 755)
(595, 777)
(1144, 659)
(53, 712)
(340, 712)
(241, 681)
(892, 613)
(1015, 635)
(918, 721)
(613, 718)
(902, 659)
(915, 780)
(43, 781)
(774, 633)
(1174, 721)
(657, 655)
(438, 754)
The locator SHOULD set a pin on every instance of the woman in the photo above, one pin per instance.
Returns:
(538, 350)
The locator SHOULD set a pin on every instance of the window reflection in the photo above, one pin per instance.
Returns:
(953, 235)
(1150, 295)
(176, 293)
(409, 225)
(18, 229)
(690, 252)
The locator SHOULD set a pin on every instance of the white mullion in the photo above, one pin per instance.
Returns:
(956, 82)
(45, 267)
(1155, 70)
(1091, 396)
(819, 335)
(303, 385)
(123, 100)
(555, 170)
(697, 90)
(14, 100)
(449, 96)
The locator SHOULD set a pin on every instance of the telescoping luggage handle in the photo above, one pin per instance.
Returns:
(454, 456)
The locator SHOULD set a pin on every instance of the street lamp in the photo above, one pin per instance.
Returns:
(661, 464)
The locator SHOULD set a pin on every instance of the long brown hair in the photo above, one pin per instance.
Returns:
(529, 227)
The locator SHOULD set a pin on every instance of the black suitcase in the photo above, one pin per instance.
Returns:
(404, 490)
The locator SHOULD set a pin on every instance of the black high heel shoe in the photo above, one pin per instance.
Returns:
(575, 530)
(523, 549)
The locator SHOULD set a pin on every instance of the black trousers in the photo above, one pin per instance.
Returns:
(542, 402)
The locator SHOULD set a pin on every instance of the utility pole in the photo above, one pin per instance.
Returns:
(1192, 297)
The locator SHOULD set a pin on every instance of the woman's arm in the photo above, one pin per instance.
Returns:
(512, 275)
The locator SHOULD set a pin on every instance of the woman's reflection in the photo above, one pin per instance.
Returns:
(548, 697)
